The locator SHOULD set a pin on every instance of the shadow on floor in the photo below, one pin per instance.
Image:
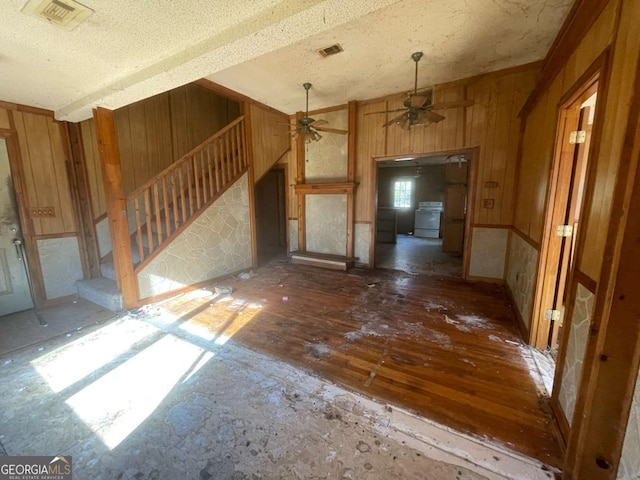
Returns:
(23, 329)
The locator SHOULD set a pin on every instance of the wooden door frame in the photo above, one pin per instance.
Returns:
(28, 232)
(560, 172)
(472, 154)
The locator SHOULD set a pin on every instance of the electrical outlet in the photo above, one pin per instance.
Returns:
(487, 203)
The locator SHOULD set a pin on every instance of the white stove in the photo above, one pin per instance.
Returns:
(427, 220)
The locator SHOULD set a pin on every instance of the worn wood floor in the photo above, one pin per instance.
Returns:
(445, 349)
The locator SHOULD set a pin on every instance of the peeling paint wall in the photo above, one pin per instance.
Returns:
(61, 266)
(578, 336)
(488, 250)
(521, 277)
(217, 243)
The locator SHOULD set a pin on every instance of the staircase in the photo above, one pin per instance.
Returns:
(160, 209)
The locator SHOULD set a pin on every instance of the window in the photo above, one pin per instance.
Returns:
(402, 194)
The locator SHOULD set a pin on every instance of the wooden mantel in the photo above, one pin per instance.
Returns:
(342, 188)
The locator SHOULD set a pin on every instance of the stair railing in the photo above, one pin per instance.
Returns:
(166, 204)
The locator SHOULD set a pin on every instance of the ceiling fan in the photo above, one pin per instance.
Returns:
(309, 128)
(418, 106)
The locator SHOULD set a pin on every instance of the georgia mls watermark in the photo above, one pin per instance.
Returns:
(35, 468)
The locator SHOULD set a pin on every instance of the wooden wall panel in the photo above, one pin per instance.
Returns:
(43, 148)
(491, 123)
(270, 138)
(540, 131)
(370, 143)
(157, 131)
(4, 119)
(94, 171)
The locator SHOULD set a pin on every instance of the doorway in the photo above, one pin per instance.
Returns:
(421, 213)
(571, 158)
(271, 219)
(15, 294)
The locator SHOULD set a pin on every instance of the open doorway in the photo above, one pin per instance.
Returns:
(271, 219)
(421, 214)
(569, 173)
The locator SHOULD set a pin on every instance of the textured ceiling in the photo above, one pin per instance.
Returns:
(129, 50)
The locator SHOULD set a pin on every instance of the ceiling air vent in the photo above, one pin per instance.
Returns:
(67, 14)
(332, 50)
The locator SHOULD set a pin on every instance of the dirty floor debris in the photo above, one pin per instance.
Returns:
(134, 399)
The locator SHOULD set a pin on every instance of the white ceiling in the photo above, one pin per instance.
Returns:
(266, 49)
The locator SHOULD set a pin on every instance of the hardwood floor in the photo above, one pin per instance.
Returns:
(445, 349)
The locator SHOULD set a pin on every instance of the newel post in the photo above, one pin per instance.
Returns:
(116, 205)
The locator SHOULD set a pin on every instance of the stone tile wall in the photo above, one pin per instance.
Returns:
(217, 243)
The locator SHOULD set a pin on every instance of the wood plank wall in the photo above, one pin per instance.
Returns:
(538, 144)
(44, 154)
(491, 123)
(155, 132)
(269, 132)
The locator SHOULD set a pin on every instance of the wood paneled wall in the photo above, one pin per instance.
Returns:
(539, 138)
(269, 132)
(491, 123)
(44, 154)
(94, 171)
(155, 132)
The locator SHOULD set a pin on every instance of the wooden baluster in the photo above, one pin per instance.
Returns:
(147, 211)
(203, 176)
(221, 158)
(190, 187)
(211, 190)
(196, 181)
(244, 145)
(237, 157)
(165, 200)
(183, 200)
(232, 153)
(136, 207)
(174, 196)
(227, 157)
(216, 163)
(157, 213)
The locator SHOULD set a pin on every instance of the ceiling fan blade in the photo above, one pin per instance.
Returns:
(431, 117)
(447, 105)
(331, 130)
(397, 119)
(418, 101)
(387, 111)
(316, 123)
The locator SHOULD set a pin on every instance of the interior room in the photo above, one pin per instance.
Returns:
(421, 213)
(390, 239)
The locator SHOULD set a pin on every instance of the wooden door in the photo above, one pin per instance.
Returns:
(14, 284)
(565, 203)
(455, 207)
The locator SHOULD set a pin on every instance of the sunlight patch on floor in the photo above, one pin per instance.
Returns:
(116, 404)
(74, 361)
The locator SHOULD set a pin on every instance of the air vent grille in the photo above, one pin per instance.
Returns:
(67, 14)
(331, 50)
